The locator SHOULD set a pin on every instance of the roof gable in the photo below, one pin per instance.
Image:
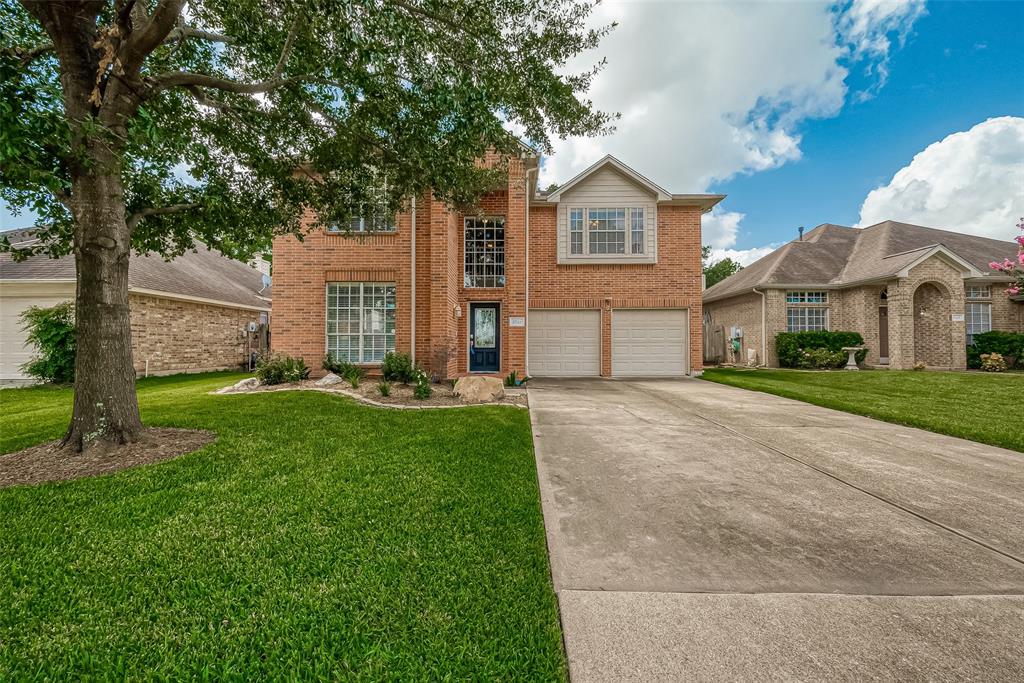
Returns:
(622, 169)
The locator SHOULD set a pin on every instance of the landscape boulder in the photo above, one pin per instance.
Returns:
(241, 385)
(477, 389)
(328, 379)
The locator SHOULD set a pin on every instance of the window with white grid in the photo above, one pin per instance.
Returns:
(484, 252)
(360, 321)
(636, 231)
(607, 231)
(373, 217)
(806, 297)
(800, 319)
(978, 292)
(576, 231)
(978, 317)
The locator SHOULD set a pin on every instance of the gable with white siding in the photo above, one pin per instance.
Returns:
(608, 188)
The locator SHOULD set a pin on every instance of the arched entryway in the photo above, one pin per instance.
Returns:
(932, 325)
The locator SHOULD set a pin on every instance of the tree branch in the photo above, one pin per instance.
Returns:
(286, 51)
(28, 54)
(143, 40)
(173, 79)
(185, 31)
(134, 219)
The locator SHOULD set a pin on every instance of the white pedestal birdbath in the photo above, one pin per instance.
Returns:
(851, 361)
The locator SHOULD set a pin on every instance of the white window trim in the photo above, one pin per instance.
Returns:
(504, 246)
(627, 254)
(986, 320)
(361, 334)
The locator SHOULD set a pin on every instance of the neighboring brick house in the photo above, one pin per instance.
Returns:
(599, 278)
(190, 314)
(915, 294)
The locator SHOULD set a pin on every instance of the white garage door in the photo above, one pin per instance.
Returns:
(565, 343)
(13, 352)
(649, 343)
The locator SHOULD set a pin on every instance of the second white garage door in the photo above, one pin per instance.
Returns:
(649, 343)
(565, 343)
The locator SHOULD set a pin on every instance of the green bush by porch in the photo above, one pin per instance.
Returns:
(976, 406)
(791, 348)
(316, 539)
(1008, 344)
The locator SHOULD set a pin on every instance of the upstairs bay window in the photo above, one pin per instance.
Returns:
(606, 231)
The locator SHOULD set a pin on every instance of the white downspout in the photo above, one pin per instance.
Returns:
(412, 288)
(764, 337)
(526, 340)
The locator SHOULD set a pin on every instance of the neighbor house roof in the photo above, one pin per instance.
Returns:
(704, 201)
(203, 274)
(836, 256)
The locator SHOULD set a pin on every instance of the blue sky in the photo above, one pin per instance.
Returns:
(807, 112)
(962, 63)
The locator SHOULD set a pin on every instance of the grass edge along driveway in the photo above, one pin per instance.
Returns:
(317, 538)
(970, 405)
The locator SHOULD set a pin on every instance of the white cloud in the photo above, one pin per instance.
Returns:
(744, 257)
(971, 182)
(711, 90)
(865, 28)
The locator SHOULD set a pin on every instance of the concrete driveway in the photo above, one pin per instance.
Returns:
(699, 531)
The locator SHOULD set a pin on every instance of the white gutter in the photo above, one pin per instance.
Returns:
(764, 332)
(526, 340)
(412, 288)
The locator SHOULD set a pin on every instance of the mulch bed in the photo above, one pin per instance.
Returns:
(47, 462)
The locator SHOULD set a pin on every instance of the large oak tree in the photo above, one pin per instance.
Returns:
(146, 124)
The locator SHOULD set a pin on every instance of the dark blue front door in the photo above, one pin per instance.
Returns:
(484, 338)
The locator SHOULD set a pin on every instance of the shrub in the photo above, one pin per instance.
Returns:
(993, 362)
(398, 367)
(52, 331)
(822, 359)
(280, 368)
(1009, 345)
(354, 375)
(791, 346)
(422, 390)
(384, 388)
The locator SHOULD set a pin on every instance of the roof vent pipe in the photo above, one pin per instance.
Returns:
(801, 231)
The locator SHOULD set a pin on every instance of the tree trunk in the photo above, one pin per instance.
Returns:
(106, 409)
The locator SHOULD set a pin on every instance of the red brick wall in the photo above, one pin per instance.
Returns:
(302, 269)
(673, 282)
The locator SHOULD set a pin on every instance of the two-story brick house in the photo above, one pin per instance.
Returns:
(601, 277)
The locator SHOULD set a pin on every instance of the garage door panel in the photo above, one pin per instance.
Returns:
(649, 343)
(565, 343)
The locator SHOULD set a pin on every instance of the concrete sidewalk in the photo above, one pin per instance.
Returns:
(703, 531)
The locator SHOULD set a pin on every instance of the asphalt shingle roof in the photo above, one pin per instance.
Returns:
(204, 273)
(837, 255)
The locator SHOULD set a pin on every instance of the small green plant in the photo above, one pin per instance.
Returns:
(384, 387)
(422, 389)
(993, 362)
(398, 367)
(52, 331)
(821, 359)
(280, 368)
(514, 380)
(353, 374)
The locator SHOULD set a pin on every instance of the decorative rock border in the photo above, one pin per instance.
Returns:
(363, 399)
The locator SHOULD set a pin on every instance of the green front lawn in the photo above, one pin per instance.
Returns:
(978, 406)
(315, 539)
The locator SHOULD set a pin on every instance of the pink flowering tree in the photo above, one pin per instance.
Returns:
(1014, 268)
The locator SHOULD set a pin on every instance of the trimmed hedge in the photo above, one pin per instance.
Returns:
(1010, 345)
(799, 349)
